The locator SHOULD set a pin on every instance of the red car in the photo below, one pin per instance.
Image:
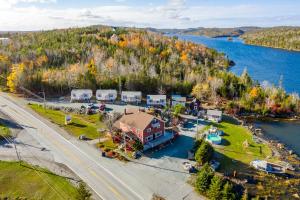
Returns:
(102, 107)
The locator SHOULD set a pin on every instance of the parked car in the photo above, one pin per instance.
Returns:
(82, 137)
(188, 167)
(102, 107)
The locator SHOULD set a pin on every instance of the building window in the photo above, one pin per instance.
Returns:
(149, 138)
(158, 134)
(148, 130)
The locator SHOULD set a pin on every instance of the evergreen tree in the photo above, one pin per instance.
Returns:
(214, 192)
(204, 178)
(227, 192)
(204, 153)
(245, 195)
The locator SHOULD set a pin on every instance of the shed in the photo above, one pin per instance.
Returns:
(106, 95)
(214, 115)
(81, 95)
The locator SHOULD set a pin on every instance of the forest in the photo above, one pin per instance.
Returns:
(58, 61)
(279, 37)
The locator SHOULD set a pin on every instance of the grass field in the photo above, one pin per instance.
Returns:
(81, 124)
(4, 131)
(233, 154)
(23, 181)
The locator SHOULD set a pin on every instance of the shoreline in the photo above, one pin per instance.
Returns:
(284, 150)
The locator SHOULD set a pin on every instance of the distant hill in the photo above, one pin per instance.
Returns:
(278, 37)
(209, 32)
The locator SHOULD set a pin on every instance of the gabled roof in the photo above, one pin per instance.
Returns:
(132, 93)
(139, 120)
(178, 98)
(156, 97)
(107, 91)
(214, 112)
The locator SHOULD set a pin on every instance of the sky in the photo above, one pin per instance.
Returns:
(27, 15)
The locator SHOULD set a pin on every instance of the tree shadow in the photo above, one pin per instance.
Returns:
(225, 142)
(177, 149)
(78, 125)
(12, 124)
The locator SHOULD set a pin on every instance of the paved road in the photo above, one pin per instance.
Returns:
(99, 178)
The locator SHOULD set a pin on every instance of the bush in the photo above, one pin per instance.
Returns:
(204, 153)
(137, 146)
(178, 109)
(204, 178)
(227, 192)
(214, 192)
(82, 192)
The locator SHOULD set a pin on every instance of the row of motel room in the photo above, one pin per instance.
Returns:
(137, 124)
(126, 96)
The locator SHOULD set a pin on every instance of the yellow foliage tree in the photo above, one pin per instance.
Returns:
(41, 60)
(254, 92)
(152, 50)
(13, 79)
(3, 58)
(184, 57)
(201, 91)
(92, 67)
(123, 44)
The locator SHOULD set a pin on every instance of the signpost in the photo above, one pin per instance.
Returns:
(68, 119)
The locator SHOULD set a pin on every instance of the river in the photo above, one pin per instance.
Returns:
(263, 64)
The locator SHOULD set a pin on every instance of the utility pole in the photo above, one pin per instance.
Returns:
(124, 138)
(120, 85)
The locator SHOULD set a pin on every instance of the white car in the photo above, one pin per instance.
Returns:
(187, 166)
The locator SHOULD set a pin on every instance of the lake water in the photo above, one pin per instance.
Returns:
(262, 63)
(286, 132)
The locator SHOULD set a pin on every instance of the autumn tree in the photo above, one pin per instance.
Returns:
(16, 77)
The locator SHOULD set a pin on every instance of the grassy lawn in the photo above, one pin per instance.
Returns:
(81, 124)
(4, 131)
(108, 144)
(233, 154)
(22, 181)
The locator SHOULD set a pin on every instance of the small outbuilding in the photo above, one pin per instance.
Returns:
(157, 100)
(81, 95)
(131, 96)
(214, 115)
(106, 95)
(178, 99)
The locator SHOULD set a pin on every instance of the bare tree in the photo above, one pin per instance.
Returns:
(215, 84)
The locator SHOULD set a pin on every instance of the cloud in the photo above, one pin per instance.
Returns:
(172, 14)
(4, 4)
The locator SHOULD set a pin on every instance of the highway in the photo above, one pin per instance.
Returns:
(98, 177)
